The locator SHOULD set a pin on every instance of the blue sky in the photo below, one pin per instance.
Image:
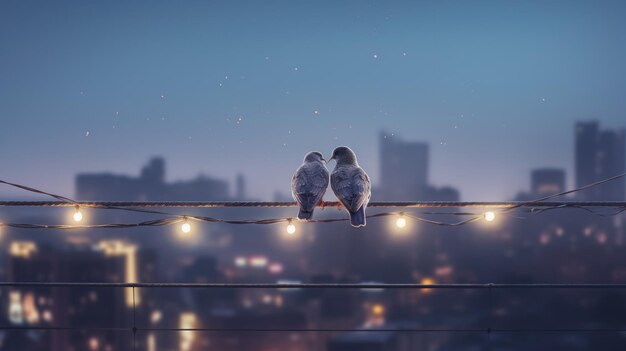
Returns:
(221, 87)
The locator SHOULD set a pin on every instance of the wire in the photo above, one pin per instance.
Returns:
(140, 207)
(323, 330)
(292, 286)
(323, 205)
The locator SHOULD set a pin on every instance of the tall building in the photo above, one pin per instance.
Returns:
(600, 154)
(404, 168)
(240, 187)
(404, 172)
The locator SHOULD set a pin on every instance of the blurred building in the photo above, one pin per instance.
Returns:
(64, 307)
(544, 182)
(240, 193)
(600, 154)
(376, 341)
(547, 181)
(404, 172)
(151, 186)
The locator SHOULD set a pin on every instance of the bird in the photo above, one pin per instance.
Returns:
(309, 184)
(351, 184)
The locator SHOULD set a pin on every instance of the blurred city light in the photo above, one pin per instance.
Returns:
(23, 249)
(376, 315)
(129, 251)
(241, 261)
(291, 228)
(258, 261)
(155, 316)
(15, 308)
(94, 343)
(188, 320)
(378, 309)
(151, 342)
(29, 307)
(275, 268)
(427, 281)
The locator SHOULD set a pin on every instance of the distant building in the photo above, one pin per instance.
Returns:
(600, 154)
(404, 172)
(151, 186)
(445, 193)
(547, 181)
(240, 192)
(404, 168)
(543, 182)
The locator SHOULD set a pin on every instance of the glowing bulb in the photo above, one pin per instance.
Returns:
(186, 227)
(291, 228)
(78, 216)
(489, 216)
(401, 222)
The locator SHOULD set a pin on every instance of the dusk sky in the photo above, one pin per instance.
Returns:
(222, 87)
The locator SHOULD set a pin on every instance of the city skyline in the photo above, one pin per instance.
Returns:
(227, 87)
(414, 156)
(239, 182)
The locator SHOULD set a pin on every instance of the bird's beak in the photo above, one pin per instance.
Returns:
(330, 159)
(323, 160)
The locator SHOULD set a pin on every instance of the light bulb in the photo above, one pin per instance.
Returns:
(186, 227)
(291, 228)
(489, 216)
(78, 216)
(401, 222)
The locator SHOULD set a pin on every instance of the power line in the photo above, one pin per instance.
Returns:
(324, 205)
(292, 286)
(536, 206)
(322, 330)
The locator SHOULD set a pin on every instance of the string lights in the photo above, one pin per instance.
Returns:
(536, 206)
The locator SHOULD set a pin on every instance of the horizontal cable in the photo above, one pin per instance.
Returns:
(323, 330)
(400, 330)
(52, 328)
(321, 285)
(537, 206)
(329, 204)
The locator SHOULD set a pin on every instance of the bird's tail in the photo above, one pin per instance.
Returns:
(305, 215)
(357, 219)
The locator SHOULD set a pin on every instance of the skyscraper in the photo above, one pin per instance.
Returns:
(404, 168)
(404, 172)
(600, 154)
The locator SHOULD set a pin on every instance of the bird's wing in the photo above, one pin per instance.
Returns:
(352, 186)
(309, 184)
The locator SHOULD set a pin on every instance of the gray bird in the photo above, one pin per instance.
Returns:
(309, 184)
(350, 184)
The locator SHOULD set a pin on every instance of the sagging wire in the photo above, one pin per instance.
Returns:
(400, 221)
